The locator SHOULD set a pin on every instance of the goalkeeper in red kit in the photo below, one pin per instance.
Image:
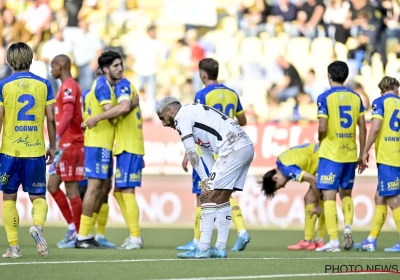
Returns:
(69, 167)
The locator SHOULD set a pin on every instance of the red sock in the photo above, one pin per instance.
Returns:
(76, 205)
(61, 200)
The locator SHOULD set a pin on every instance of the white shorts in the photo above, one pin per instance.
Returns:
(229, 172)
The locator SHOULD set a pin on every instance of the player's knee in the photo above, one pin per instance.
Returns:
(380, 200)
(52, 189)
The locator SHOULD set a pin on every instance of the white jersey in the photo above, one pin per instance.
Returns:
(210, 129)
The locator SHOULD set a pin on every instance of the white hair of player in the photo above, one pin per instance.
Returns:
(165, 102)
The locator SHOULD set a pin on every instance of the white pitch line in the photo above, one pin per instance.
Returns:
(171, 260)
(276, 276)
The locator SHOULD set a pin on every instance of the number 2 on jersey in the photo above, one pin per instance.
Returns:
(395, 121)
(22, 113)
(345, 117)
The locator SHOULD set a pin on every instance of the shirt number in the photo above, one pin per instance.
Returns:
(22, 114)
(229, 109)
(345, 117)
(395, 121)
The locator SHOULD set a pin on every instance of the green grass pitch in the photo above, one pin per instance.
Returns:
(265, 257)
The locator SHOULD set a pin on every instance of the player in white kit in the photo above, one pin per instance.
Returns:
(215, 133)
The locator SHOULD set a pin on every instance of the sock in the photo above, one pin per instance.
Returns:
(207, 220)
(331, 219)
(321, 224)
(237, 216)
(224, 217)
(132, 213)
(11, 221)
(61, 200)
(121, 204)
(348, 210)
(84, 227)
(396, 217)
(378, 221)
(93, 221)
(102, 219)
(309, 223)
(197, 224)
(39, 211)
(71, 226)
(76, 205)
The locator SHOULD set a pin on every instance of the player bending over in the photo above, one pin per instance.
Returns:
(339, 111)
(98, 146)
(300, 164)
(215, 133)
(25, 99)
(69, 168)
(129, 150)
(227, 101)
(385, 133)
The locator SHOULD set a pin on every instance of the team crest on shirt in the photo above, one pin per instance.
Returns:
(292, 176)
(319, 105)
(67, 92)
(124, 89)
(374, 107)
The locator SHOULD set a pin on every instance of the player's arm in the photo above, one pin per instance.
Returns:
(51, 124)
(240, 115)
(193, 156)
(208, 157)
(1, 116)
(110, 112)
(322, 117)
(307, 177)
(362, 130)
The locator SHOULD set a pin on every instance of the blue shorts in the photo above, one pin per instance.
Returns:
(128, 173)
(332, 175)
(83, 183)
(98, 163)
(388, 180)
(30, 172)
(197, 181)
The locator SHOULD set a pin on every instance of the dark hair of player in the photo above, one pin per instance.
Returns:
(339, 71)
(388, 84)
(19, 56)
(210, 67)
(107, 58)
(268, 185)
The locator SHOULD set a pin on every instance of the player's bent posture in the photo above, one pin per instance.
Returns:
(98, 145)
(69, 169)
(129, 150)
(385, 133)
(339, 111)
(25, 99)
(300, 164)
(215, 133)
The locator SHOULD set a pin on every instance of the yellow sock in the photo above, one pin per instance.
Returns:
(396, 217)
(309, 223)
(121, 204)
(84, 228)
(378, 220)
(11, 221)
(93, 221)
(132, 213)
(321, 223)
(39, 211)
(331, 219)
(237, 216)
(102, 218)
(348, 210)
(197, 223)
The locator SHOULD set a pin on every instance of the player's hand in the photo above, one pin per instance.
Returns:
(57, 142)
(92, 122)
(144, 164)
(205, 189)
(185, 163)
(135, 101)
(50, 154)
(362, 163)
(316, 210)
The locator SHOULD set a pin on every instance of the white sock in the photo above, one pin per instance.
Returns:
(99, 236)
(135, 239)
(370, 238)
(207, 220)
(319, 240)
(224, 217)
(335, 242)
(243, 231)
(195, 241)
(81, 238)
(348, 226)
(71, 226)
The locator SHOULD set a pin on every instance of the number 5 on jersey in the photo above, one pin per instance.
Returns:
(346, 119)
(22, 113)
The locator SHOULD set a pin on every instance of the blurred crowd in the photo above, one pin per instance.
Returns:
(274, 53)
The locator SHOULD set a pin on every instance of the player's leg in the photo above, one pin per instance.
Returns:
(347, 183)
(33, 181)
(130, 166)
(380, 214)
(10, 182)
(100, 214)
(238, 220)
(394, 204)
(328, 181)
(321, 228)
(83, 188)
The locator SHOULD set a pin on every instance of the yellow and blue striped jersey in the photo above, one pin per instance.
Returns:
(24, 97)
(387, 148)
(102, 135)
(342, 107)
(296, 161)
(128, 130)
